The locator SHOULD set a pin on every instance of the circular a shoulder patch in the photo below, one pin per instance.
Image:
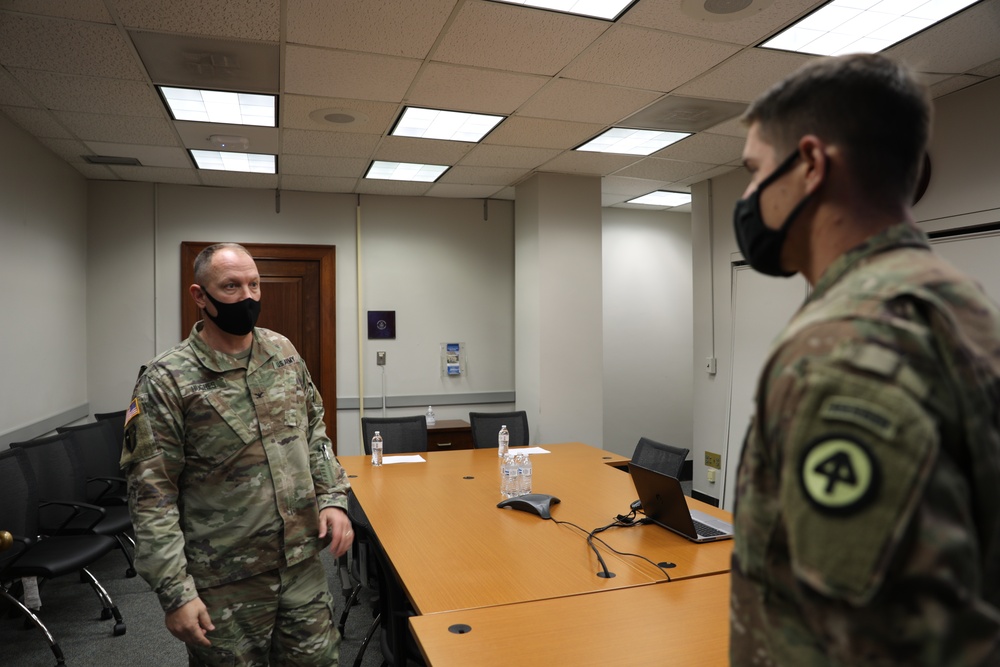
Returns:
(839, 475)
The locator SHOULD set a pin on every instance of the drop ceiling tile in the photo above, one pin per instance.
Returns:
(70, 150)
(733, 127)
(246, 19)
(77, 10)
(751, 22)
(232, 179)
(610, 199)
(12, 94)
(213, 63)
(317, 183)
(964, 42)
(714, 172)
(657, 169)
(505, 193)
(953, 84)
(745, 76)
(506, 37)
(55, 45)
(444, 86)
(426, 151)
(485, 155)
(585, 162)
(372, 186)
(705, 147)
(312, 165)
(482, 175)
(155, 174)
(69, 92)
(989, 70)
(149, 156)
(326, 73)
(632, 187)
(330, 144)
(38, 122)
(541, 133)
(405, 28)
(198, 135)
(373, 117)
(95, 172)
(118, 129)
(568, 99)
(462, 191)
(636, 58)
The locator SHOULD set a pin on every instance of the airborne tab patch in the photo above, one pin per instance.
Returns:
(839, 475)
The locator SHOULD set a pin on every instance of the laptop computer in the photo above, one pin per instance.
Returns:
(663, 501)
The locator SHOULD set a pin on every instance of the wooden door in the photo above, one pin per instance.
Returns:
(298, 300)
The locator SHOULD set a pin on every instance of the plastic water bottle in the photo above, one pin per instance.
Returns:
(503, 441)
(524, 475)
(377, 449)
(431, 420)
(508, 477)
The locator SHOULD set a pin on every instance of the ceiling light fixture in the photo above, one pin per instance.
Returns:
(446, 125)
(632, 142)
(218, 106)
(609, 10)
(255, 163)
(405, 171)
(662, 198)
(862, 26)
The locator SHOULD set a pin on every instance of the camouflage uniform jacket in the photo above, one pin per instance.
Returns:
(867, 508)
(227, 466)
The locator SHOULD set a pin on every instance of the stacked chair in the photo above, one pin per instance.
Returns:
(34, 552)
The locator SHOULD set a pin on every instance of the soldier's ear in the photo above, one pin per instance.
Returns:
(198, 294)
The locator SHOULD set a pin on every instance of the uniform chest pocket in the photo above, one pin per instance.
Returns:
(292, 400)
(217, 427)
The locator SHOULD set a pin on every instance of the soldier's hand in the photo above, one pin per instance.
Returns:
(334, 520)
(190, 622)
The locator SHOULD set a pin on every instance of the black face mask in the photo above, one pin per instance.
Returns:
(761, 245)
(237, 318)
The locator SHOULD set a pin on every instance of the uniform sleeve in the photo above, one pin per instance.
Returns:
(329, 478)
(152, 461)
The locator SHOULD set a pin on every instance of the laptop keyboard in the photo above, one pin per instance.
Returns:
(705, 530)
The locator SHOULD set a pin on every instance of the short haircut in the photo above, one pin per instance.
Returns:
(870, 106)
(203, 262)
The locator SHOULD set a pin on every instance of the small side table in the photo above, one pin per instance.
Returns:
(449, 434)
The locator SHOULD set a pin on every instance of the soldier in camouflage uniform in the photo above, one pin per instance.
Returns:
(232, 486)
(867, 511)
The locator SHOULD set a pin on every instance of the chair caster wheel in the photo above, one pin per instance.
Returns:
(130, 573)
(105, 614)
(119, 630)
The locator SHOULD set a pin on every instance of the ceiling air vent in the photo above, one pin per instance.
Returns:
(112, 159)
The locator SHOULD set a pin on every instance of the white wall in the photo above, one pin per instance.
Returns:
(963, 192)
(647, 328)
(43, 265)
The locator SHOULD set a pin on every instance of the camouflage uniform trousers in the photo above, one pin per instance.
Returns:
(280, 618)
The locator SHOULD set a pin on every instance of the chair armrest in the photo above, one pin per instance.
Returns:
(112, 490)
(76, 509)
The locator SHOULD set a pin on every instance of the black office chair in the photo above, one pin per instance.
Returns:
(45, 557)
(486, 426)
(100, 450)
(400, 435)
(117, 422)
(662, 458)
(62, 484)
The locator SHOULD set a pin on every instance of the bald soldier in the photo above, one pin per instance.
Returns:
(232, 485)
(867, 511)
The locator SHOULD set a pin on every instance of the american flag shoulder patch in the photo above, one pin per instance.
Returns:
(133, 410)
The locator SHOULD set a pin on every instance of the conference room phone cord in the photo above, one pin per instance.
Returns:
(621, 521)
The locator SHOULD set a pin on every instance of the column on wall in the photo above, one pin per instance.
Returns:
(558, 307)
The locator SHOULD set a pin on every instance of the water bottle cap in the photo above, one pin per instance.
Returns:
(376, 432)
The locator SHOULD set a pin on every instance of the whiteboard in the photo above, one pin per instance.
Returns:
(762, 306)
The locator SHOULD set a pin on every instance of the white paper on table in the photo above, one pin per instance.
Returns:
(403, 458)
(529, 450)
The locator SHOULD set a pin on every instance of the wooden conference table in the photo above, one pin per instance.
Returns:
(453, 549)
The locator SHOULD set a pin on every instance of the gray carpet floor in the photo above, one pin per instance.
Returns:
(71, 611)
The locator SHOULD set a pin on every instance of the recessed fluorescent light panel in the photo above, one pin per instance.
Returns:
(255, 163)
(862, 26)
(217, 106)
(447, 125)
(662, 198)
(406, 171)
(608, 10)
(632, 142)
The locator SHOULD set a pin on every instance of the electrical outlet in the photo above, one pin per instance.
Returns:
(713, 460)
(380, 358)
